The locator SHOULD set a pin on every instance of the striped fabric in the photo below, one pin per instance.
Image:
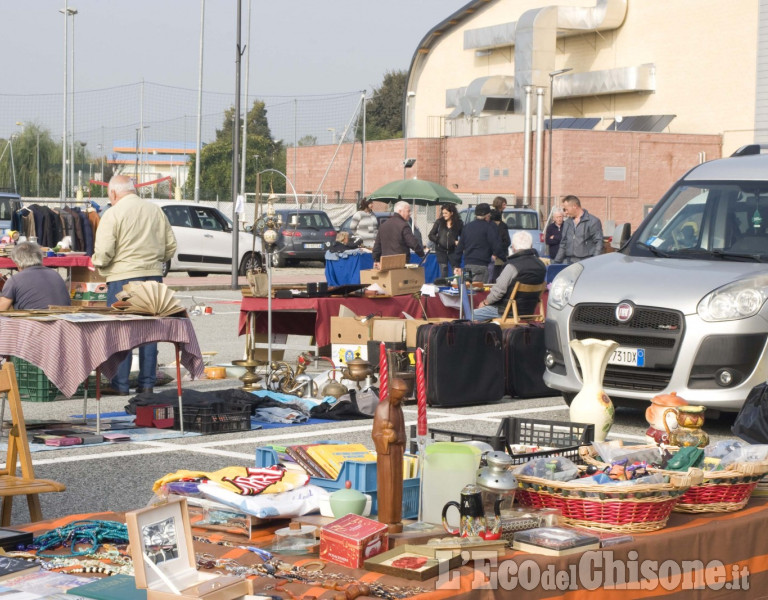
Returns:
(737, 540)
(67, 352)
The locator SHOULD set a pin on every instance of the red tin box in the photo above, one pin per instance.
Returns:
(351, 540)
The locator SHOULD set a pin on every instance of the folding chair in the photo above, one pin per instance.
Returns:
(538, 312)
(18, 451)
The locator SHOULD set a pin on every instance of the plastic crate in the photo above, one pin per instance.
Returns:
(34, 385)
(497, 442)
(219, 418)
(362, 476)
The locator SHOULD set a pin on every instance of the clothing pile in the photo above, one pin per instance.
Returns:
(50, 226)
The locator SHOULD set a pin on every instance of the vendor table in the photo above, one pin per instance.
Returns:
(53, 261)
(345, 270)
(726, 554)
(312, 316)
(68, 351)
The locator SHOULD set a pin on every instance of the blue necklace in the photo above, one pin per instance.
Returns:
(94, 533)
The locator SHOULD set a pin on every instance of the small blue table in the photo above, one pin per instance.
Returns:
(346, 270)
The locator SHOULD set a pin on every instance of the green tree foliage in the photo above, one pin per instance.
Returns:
(308, 140)
(262, 152)
(25, 155)
(384, 112)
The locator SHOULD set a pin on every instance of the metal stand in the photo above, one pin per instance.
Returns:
(420, 525)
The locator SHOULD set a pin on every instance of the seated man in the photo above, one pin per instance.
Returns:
(343, 243)
(524, 266)
(34, 286)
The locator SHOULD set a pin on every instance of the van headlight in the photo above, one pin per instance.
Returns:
(562, 287)
(737, 300)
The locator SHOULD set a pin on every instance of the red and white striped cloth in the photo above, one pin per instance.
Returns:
(67, 352)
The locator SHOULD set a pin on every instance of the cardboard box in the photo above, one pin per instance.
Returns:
(388, 329)
(395, 282)
(90, 303)
(412, 327)
(86, 274)
(88, 290)
(349, 330)
(341, 354)
(352, 540)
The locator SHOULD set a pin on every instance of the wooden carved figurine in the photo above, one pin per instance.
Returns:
(389, 439)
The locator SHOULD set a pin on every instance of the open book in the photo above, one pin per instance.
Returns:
(148, 298)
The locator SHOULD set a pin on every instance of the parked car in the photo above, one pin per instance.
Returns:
(305, 235)
(9, 203)
(517, 219)
(204, 240)
(381, 216)
(685, 296)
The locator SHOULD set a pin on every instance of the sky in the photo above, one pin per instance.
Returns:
(298, 47)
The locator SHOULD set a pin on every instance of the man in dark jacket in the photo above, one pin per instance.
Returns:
(524, 266)
(479, 244)
(395, 236)
(582, 235)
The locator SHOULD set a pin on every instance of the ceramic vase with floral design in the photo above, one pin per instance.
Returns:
(592, 404)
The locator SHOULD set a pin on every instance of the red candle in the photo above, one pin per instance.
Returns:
(383, 373)
(421, 395)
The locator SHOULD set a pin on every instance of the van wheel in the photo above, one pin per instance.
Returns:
(568, 397)
(250, 262)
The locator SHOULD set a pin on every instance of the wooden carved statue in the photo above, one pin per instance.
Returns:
(389, 439)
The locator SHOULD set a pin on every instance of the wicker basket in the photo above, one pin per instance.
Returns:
(637, 509)
(720, 491)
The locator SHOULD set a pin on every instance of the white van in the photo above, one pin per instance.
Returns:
(685, 296)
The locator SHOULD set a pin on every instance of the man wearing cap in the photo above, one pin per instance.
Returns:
(479, 245)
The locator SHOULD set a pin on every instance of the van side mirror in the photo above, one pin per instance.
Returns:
(621, 233)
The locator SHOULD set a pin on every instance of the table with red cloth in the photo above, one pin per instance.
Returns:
(53, 261)
(726, 554)
(312, 316)
(68, 352)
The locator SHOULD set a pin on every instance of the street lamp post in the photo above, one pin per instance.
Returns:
(333, 135)
(552, 76)
(408, 97)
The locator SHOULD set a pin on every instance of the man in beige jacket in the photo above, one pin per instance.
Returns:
(133, 241)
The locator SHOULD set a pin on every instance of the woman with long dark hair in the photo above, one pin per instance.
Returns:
(445, 235)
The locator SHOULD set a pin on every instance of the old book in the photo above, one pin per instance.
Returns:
(294, 454)
(554, 541)
(116, 587)
(12, 567)
(148, 298)
(311, 466)
(332, 456)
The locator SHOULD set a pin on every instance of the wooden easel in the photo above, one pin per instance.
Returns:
(18, 452)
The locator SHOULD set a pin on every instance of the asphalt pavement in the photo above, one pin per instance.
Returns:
(120, 476)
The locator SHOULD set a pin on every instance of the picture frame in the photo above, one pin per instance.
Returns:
(414, 562)
(164, 557)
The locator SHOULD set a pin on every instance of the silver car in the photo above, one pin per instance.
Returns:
(685, 297)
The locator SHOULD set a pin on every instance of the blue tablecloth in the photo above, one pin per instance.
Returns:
(346, 270)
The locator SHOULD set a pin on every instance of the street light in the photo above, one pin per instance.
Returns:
(333, 135)
(71, 12)
(408, 97)
(552, 76)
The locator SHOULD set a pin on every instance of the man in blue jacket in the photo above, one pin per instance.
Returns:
(479, 245)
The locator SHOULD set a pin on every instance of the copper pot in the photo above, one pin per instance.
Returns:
(357, 369)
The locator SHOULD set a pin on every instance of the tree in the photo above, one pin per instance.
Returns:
(31, 142)
(384, 112)
(308, 140)
(262, 152)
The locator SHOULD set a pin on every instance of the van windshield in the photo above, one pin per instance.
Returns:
(723, 221)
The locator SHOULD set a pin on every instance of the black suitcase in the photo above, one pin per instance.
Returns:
(463, 362)
(524, 362)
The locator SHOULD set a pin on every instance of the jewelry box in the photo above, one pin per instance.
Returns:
(164, 557)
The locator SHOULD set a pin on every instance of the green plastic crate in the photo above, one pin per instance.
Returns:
(34, 386)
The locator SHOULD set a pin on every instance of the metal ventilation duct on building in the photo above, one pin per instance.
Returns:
(493, 93)
(494, 36)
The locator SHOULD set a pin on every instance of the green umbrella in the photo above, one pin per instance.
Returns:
(416, 191)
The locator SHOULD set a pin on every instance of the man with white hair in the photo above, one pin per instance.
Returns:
(133, 241)
(554, 232)
(34, 286)
(524, 266)
(395, 236)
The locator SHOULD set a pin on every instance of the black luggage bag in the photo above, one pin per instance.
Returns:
(524, 362)
(463, 362)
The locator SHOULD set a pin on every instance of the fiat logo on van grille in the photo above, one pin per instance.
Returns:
(624, 312)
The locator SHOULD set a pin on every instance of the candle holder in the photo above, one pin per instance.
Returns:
(250, 378)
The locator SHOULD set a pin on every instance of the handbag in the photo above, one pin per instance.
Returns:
(258, 283)
(751, 423)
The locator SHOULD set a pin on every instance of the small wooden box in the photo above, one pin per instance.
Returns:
(164, 557)
(432, 559)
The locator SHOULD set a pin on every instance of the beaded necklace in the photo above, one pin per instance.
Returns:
(277, 569)
(93, 532)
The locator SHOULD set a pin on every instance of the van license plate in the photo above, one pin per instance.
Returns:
(629, 357)
(313, 246)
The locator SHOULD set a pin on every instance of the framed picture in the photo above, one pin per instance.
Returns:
(164, 557)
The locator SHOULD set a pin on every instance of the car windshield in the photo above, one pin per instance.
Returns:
(722, 221)
(318, 220)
